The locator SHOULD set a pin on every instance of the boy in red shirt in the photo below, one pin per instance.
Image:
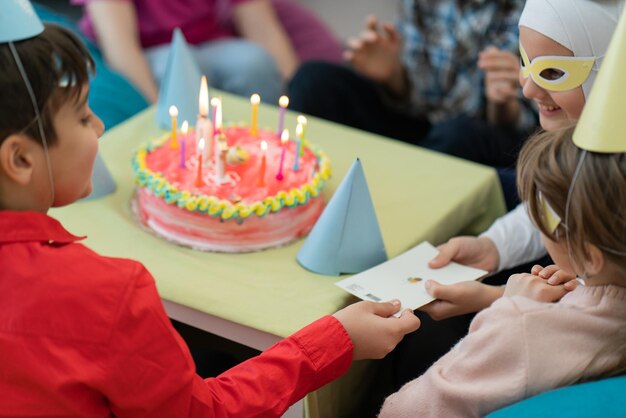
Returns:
(86, 335)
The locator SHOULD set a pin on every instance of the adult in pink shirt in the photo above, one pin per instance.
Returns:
(134, 36)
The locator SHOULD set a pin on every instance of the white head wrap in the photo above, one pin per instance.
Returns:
(585, 27)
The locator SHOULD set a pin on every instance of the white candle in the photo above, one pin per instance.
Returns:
(184, 129)
(296, 160)
(302, 121)
(203, 124)
(217, 125)
(221, 160)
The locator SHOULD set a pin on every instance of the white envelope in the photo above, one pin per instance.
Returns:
(403, 278)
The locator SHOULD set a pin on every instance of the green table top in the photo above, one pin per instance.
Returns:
(418, 195)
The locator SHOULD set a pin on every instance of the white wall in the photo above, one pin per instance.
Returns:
(346, 17)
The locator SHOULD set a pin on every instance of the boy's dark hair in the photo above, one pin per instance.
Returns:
(546, 167)
(58, 67)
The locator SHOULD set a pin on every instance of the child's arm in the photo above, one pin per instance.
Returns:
(539, 288)
(115, 24)
(510, 241)
(376, 55)
(486, 370)
(501, 85)
(500, 61)
(149, 371)
(459, 298)
(256, 20)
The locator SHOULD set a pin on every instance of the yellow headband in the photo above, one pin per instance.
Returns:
(550, 218)
(556, 73)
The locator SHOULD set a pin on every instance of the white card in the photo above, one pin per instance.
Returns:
(403, 278)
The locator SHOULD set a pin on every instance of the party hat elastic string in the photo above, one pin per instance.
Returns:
(33, 100)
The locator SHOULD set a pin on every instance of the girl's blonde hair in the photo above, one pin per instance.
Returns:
(597, 199)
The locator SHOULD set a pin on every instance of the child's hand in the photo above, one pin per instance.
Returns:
(376, 53)
(537, 288)
(459, 298)
(501, 74)
(476, 252)
(373, 329)
(555, 276)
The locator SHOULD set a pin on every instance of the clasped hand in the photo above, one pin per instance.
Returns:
(547, 284)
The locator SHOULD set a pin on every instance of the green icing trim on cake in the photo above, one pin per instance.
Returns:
(158, 185)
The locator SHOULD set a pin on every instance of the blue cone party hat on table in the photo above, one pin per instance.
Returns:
(180, 84)
(18, 21)
(103, 183)
(346, 238)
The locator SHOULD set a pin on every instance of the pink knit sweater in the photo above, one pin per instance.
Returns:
(518, 348)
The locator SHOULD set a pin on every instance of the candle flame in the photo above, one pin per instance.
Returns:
(299, 130)
(283, 101)
(184, 128)
(302, 119)
(201, 144)
(215, 101)
(263, 146)
(284, 137)
(173, 111)
(204, 98)
(255, 99)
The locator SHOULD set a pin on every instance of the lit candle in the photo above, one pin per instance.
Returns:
(174, 116)
(261, 181)
(296, 162)
(199, 181)
(203, 98)
(255, 99)
(203, 124)
(302, 120)
(283, 142)
(283, 102)
(184, 129)
(221, 160)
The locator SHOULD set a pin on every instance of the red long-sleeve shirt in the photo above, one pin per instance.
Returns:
(86, 335)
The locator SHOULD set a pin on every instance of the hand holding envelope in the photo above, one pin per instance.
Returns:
(404, 277)
(459, 298)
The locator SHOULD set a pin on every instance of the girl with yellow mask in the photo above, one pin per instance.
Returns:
(562, 46)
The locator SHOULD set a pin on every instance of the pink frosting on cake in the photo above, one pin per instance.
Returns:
(202, 231)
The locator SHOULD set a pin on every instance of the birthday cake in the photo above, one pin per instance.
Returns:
(246, 191)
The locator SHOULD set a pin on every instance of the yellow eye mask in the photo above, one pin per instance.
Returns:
(556, 73)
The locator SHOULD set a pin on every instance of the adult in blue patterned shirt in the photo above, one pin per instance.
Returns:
(445, 77)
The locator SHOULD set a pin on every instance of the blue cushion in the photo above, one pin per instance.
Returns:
(111, 96)
(603, 398)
